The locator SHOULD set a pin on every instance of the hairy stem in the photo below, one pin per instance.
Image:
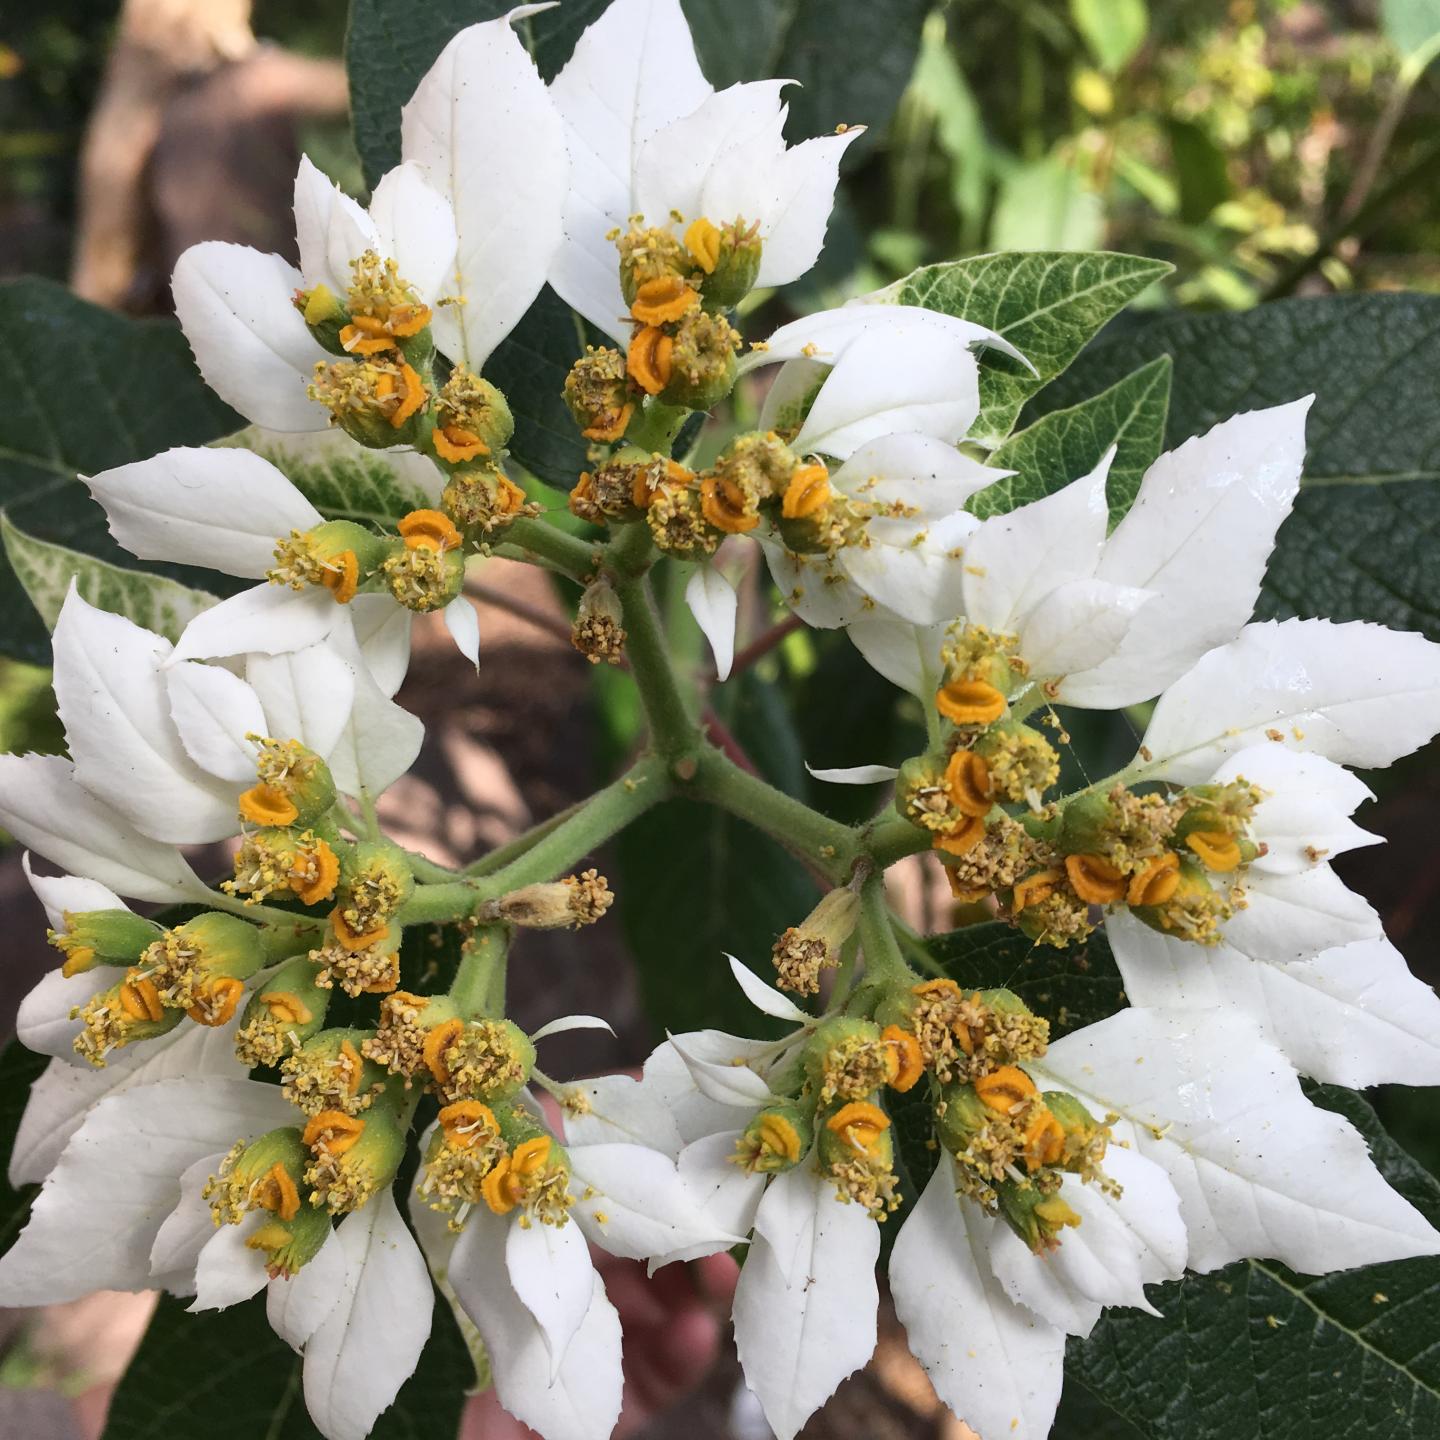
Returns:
(481, 972)
(575, 558)
(672, 731)
(883, 960)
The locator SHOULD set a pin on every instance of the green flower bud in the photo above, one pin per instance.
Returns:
(291, 1244)
(486, 1060)
(338, 555)
(959, 1117)
(204, 962)
(599, 395)
(266, 1174)
(283, 1013)
(375, 881)
(731, 274)
(1085, 1136)
(295, 786)
(534, 1176)
(846, 1059)
(777, 1139)
(702, 361)
(857, 1152)
(1039, 1219)
(102, 937)
(330, 1072)
(379, 401)
(473, 420)
(353, 1157)
(921, 794)
(129, 1011)
(423, 577)
(647, 255)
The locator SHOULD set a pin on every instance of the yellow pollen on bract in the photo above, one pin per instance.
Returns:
(1215, 849)
(860, 1125)
(216, 1001)
(663, 300)
(726, 506)
(1036, 888)
(1156, 883)
(967, 779)
(1004, 1088)
(429, 528)
(909, 1063)
(807, 492)
(267, 805)
(961, 838)
(970, 702)
(1095, 880)
(649, 360)
(702, 240)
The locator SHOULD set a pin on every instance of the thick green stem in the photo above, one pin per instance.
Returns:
(575, 558)
(892, 838)
(883, 960)
(832, 848)
(512, 850)
(437, 904)
(631, 552)
(672, 730)
(481, 961)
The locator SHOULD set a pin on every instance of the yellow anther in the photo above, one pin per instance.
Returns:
(702, 240)
(1157, 882)
(1056, 1213)
(967, 779)
(1034, 889)
(333, 1131)
(909, 1063)
(1005, 1088)
(1216, 849)
(315, 874)
(508, 1183)
(663, 300)
(807, 492)
(467, 1123)
(437, 1041)
(970, 702)
(780, 1138)
(1094, 879)
(649, 360)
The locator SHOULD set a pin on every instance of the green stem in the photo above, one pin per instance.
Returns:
(672, 730)
(832, 848)
(481, 959)
(427, 870)
(891, 838)
(655, 427)
(883, 960)
(601, 816)
(631, 550)
(565, 553)
(260, 914)
(512, 850)
(438, 904)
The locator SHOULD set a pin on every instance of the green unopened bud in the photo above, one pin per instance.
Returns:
(804, 950)
(128, 1012)
(730, 258)
(559, 905)
(266, 1174)
(777, 1139)
(1038, 1218)
(290, 1244)
(282, 1014)
(338, 556)
(186, 962)
(294, 785)
(846, 1059)
(330, 1072)
(280, 861)
(599, 394)
(857, 1152)
(101, 937)
(921, 794)
(473, 420)
(702, 361)
(599, 630)
(353, 1157)
(325, 315)
(375, 881)
(486, 1060)
(648, 255)
(403, 1035)
(378, 401)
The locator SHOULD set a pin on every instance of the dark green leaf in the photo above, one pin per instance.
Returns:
(19, 1070)
(739, 39)
(224, 1374)
(1255, 1352)
(85, 390)
(1066, 444)
(1200, 168)
(1047, 304)
(1360, 544)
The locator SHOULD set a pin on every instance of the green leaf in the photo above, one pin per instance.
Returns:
(231, 1378)
(19, 1070)
(341, 479)
(1412, 26)
(1048, 305)
(1113, 29)
(1066, 444)
(45, 570)
(1360, 544)
(739, 39)
(1045, 205)
(85, 390)
(1256, 1352)
(1200, 168)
